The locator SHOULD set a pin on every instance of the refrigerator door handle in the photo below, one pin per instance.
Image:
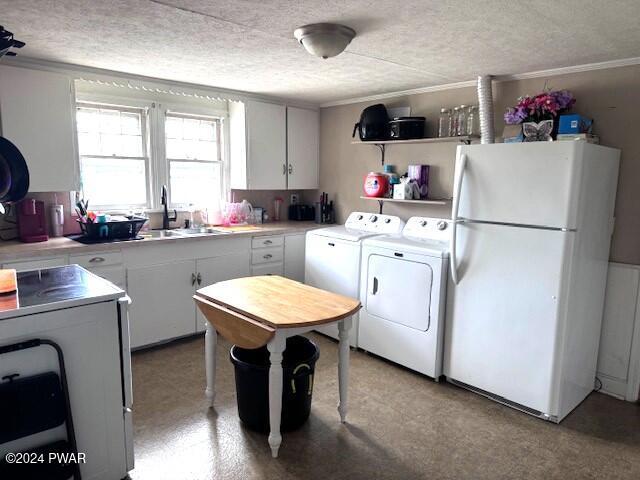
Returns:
(461, 163)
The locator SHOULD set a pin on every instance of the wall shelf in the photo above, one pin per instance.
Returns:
(382, 144)
(463, 139)
(382, 200)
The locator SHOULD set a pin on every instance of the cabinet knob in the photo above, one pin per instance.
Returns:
(290, 169)
(193, 279)
(284, 168)
(199, 278)
(97, 260)
(267, 256)
(267, 242)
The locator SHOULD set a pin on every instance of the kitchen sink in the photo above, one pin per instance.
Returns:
(201, 231)
(183, 232)
(161, 234)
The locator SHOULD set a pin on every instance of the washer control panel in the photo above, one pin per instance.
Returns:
(427, 228)
(374, 222)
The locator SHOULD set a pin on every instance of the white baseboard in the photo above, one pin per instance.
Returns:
(613, 386)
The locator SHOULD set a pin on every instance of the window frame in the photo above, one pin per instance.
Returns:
(222, 135)
(122, 106)
(157, 166)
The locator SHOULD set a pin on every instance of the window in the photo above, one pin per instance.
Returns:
(194, 157)
(114, 164)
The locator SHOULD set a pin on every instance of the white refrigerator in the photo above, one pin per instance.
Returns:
(532, 225)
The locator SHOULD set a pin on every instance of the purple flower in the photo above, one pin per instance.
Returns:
(514, 116)
(563, 98)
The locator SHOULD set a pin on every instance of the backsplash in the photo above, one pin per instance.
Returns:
(265, 199)
(8, 227)
(257, 198)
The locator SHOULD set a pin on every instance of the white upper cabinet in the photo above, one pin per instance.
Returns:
(303, 127)
(273, 147)
(37, 114)
(258, 146)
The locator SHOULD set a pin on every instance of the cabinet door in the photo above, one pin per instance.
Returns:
(303, 131)
(267, 155)
(217, 269)
(294, 257)
(38, 116)
(162, 305)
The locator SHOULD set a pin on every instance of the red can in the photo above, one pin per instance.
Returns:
(376, 184)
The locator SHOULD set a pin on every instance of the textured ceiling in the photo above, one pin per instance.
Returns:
(248, 44)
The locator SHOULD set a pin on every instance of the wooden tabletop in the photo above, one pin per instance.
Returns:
(280, 302)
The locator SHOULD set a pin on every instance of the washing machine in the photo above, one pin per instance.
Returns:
(332, 257)
(403, 294)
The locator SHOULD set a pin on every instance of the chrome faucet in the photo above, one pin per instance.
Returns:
(165, 214)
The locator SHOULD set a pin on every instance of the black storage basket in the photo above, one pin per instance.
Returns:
(252, 384)
(112, 230)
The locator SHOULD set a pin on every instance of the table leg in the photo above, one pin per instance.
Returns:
(210, 341)
(276, 346)
(343, 366)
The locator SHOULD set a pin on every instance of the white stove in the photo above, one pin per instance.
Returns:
(86, 316)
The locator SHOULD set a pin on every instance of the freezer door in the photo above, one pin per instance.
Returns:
(525, 183)
(504, 314)
(399, 291)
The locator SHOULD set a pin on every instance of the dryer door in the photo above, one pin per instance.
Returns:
(399, 291)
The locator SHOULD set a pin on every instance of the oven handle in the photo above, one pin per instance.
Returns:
(461, 163)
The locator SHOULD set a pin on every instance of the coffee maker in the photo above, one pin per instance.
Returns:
(32, 225)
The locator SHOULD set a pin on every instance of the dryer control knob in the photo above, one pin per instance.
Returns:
(387, 220)
(423, 223)
(442, 225)
(373, 218)
(359, 217)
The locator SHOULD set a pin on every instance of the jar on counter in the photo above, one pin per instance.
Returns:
(444, 123)
(473, 122)
(461, 123)
(455, 117)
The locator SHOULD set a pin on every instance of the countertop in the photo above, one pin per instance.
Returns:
(14, 250)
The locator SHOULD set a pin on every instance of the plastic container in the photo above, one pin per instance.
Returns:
(376, 184)
(393, 178)
(252, 384)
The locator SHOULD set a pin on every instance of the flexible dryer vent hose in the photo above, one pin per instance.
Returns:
(485, 101)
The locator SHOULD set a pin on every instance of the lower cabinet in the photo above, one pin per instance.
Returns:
(162, 305)
(217, 269)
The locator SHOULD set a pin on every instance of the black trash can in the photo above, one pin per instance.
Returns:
(252, 383)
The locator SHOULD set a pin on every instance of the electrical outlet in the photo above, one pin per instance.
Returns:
(294, 199)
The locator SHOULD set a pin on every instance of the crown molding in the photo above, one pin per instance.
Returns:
(624, 62)
(100, 75)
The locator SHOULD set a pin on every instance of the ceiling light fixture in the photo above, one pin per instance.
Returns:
(324, 39)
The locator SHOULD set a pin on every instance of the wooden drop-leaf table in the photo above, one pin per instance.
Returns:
(255, 311)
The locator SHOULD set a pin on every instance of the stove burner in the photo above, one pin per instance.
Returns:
(62, 291)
